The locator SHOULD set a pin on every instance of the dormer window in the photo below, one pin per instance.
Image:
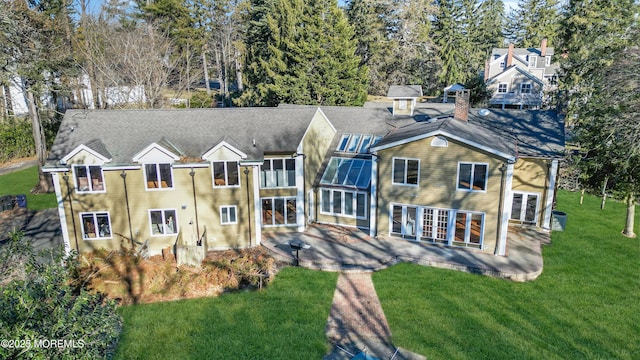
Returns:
(88, 178)
(501, 64)
(158, 176)
(532, 60)
(547, 61)
(225, 173)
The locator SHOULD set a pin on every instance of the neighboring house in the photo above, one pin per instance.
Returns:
(445, 175)
(404, 98)
(519, 77)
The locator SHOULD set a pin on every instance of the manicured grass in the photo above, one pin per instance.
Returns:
(21, 182)
(585, 305)
(286, 320)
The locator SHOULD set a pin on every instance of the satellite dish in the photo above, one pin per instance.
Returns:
(483, 112)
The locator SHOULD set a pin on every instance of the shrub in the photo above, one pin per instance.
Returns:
(48, 316)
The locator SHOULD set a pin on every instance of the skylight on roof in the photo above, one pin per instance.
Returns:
(357, 143)
(347, 172)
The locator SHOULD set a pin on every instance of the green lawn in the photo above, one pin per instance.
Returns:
(585, 305)
(21, 182)
(286, 320)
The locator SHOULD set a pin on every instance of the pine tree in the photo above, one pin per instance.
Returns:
(490, 26)
(532, 21)
(450, 41)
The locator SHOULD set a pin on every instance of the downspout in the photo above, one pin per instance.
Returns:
(503, 169)
(123, 175)
(73, 217)
(246, 177)
(195, 203)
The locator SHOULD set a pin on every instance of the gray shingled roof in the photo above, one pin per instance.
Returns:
(124, 133)
(404, 91)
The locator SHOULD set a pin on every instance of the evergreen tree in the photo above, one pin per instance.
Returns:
(450, 42)
(303, 54)
(490, 26)
(532, 21)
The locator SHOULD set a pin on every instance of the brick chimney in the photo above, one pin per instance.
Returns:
(461, 111)
(509, 56)
(543, 47)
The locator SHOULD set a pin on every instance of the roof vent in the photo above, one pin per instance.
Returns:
(483, 112)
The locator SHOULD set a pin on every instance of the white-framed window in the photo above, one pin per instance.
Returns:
(89, 178)
(158, 176)
(403, 221)
(402, 104)
(547, 61)
(279, 211)
(228, 214)
(525, 88)
(344, 203)
(468, 229)
(163, 222)
(502, 64)
(277, 173)
(524, 207)
(503, 88)
(533, 60)
(226, 173)
(406, 171)
(95, 225)
(472, 176)
(435, 225)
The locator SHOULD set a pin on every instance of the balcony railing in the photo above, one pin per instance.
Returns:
(534, 99)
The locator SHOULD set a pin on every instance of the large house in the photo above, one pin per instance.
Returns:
(521, 77)
(446, 175)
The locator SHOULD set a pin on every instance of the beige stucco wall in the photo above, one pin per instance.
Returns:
(180, 198)
(437, 183)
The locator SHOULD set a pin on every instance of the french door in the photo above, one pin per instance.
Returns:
(524, 207)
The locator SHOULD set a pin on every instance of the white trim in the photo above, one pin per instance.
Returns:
(299, 176)
(532, 59)
(284, 168)
(146, 180)
(257, 206)
(501, 246)
(188, 166)
(553, 171)
(406, 172)
(273, 198)
(226, 174)
(326, 118)
(227, 208)
(547, 60)
(446, 134)
(95, 222)
(62, 214)
(373, 203)
(522, 85)
(439, 141)
(250, 163)
(89, 180)
(82, 147)
(55, 170)
(467, 228)
(506, 89)
(473, 165)
(163, 211)
(138, 156)
(221, 144)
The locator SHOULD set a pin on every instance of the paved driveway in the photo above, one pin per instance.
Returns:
(40, 228)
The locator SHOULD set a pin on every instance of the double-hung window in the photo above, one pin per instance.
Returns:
(163, 222)
(228, 215)
(503, 88)
(158, 176)
(344, 203)
(226, 173)
(95, 225)
(89, 178)
(525, 88)
(472, 176)
(279, 211)
(406, 171)
(276, 173)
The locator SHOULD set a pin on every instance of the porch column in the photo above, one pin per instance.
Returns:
(501, 248)
(300, 215)
(61, 213)
(373, 203)
(257, 205)
(553, 172)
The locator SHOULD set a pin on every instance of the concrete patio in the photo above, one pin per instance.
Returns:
(333, 248)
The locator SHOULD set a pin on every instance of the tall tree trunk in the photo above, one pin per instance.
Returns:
(206, 71)
(631, 213)
(238, 71)
(44, 181)
(604, 193)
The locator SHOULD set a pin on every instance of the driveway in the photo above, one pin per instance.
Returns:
(40, 228)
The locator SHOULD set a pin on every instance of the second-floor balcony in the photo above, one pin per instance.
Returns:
(528, 100)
